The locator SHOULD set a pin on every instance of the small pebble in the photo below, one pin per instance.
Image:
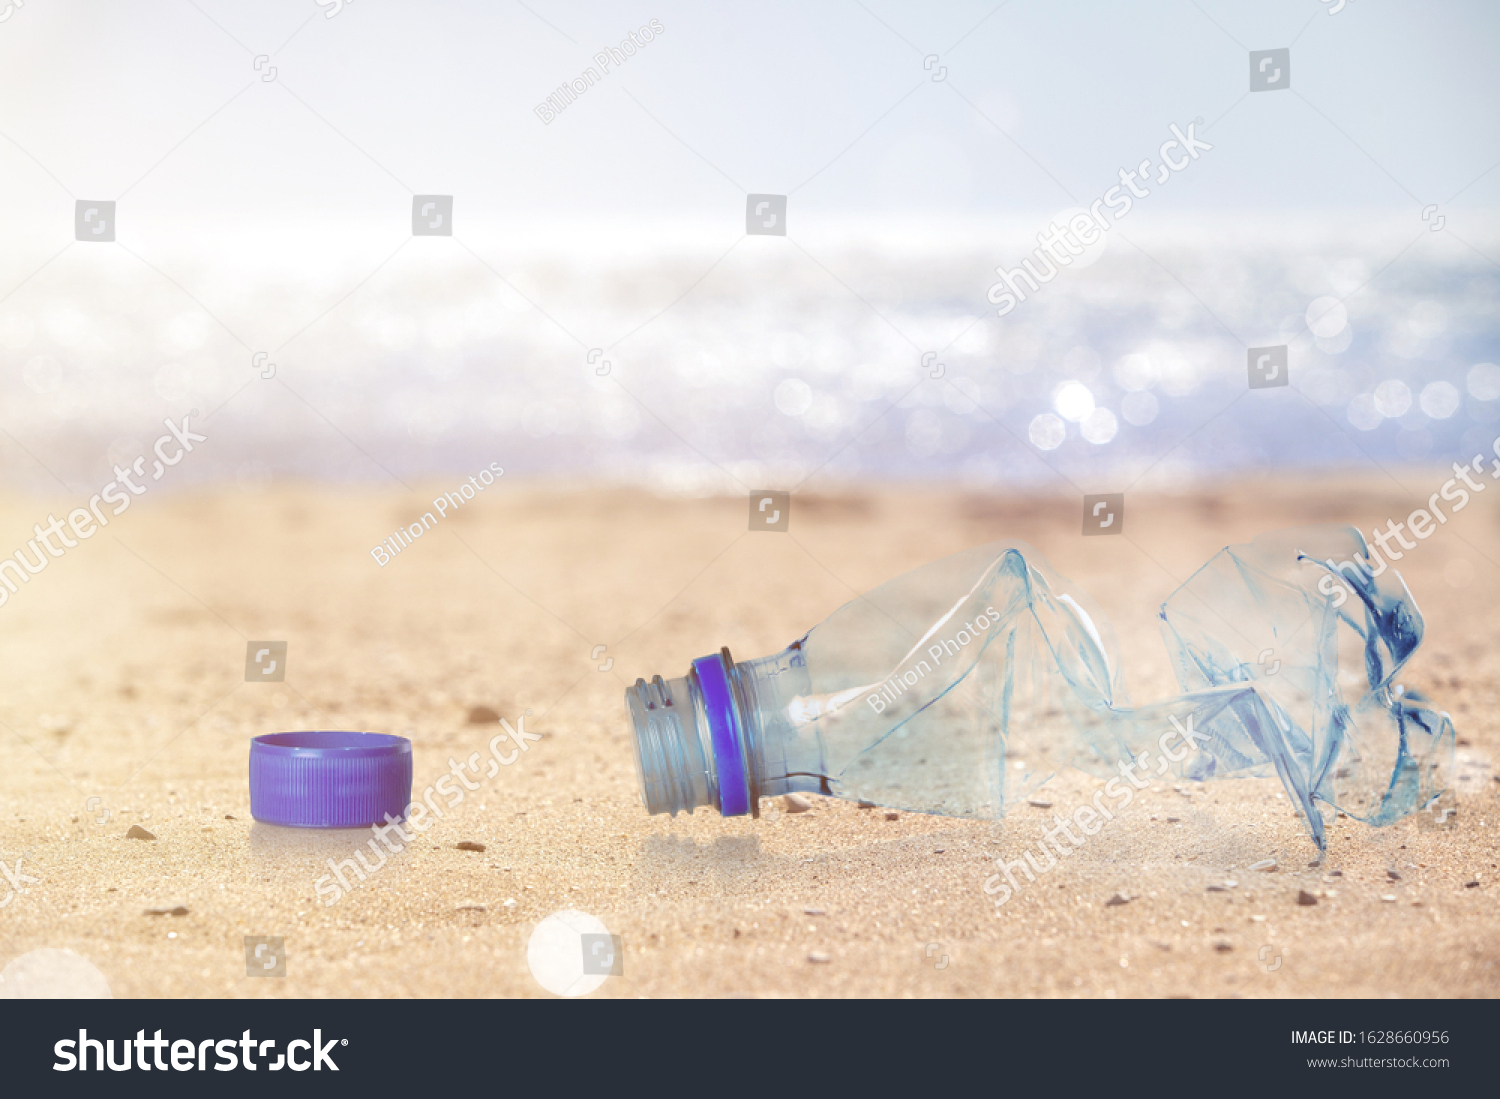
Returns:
(1223, 948)
(1268, 865)
(178, 910)
(1116, 900)
(230, 816)
(863, 804)
(473, 908)
(1306, 899)
(510, 902)
(817, 957)
(1037, 803)
(138, 833)
(813, 912)
(469, 845)
(1471, 885)
(1218, 889)
(796, 803)
(897, 816)
(1389, 898)
(482, 715)
(1393, 875)
(1257, 919)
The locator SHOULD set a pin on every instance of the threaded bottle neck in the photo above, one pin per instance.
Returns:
(673, 757)
(693, 740)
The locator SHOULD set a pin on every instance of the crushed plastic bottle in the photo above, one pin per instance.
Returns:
(917, 695)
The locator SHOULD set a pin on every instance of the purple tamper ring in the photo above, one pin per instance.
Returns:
(329, 780)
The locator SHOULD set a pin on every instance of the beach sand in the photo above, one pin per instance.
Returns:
(123, 668)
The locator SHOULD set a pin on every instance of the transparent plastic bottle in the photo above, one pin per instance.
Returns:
(906, 696)
(922, 693)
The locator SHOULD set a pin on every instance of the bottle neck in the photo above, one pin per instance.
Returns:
(673, 758)
(721, 736)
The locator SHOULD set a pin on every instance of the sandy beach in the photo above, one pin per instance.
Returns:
(123, 675)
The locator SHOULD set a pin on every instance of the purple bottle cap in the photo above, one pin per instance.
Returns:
(329, 780)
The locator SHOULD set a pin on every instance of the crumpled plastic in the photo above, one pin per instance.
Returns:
(1286, 650)
(964, 685)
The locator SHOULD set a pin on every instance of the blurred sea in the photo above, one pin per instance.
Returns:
(758, 362)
